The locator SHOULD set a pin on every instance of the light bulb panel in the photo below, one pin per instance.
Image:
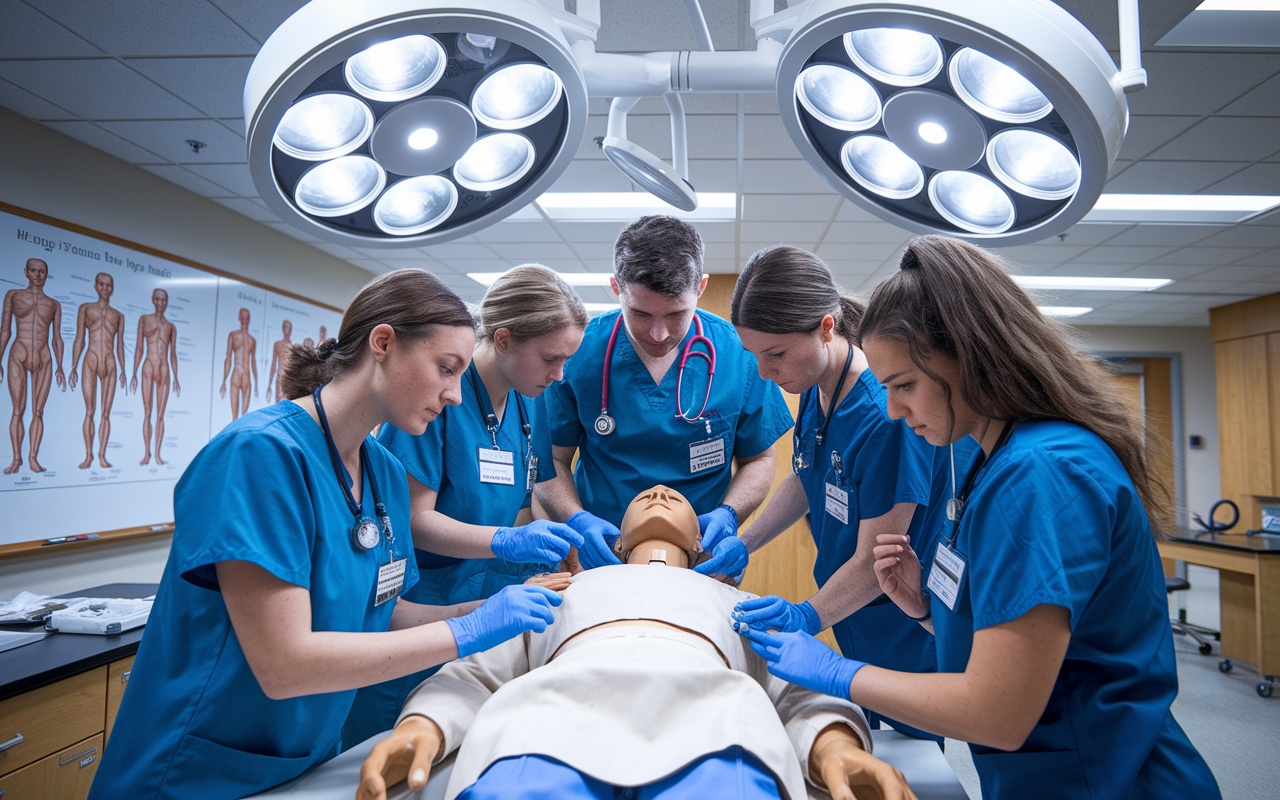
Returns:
(308, 54)
(1036, 38)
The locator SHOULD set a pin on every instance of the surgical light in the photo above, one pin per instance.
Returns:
(879, 165)
(494, 162)
(995, 90)
(839, 97)
(516, 96)
(324, 126)
(414, 205)
(896, 56)
(396, 70)
(423, 138)
(933, 133)
(971, 202)
(1033, 163)
(338, 187)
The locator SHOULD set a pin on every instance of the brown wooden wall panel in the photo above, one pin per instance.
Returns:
(1244, 418)
(1255, 317)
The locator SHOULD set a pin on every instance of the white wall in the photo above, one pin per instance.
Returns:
(41, 170)
(1199, 396)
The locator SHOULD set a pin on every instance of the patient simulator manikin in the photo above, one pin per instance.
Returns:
(640, 682)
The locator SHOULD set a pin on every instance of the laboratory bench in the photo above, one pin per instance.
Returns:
(58, 699)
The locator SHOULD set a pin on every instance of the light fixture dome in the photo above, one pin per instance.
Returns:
(1012, 113)
(420, 98)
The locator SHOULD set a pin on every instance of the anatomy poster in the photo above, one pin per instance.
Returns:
(118, 366)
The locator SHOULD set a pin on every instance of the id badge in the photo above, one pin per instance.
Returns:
(946, 574)
(496, 466)
(706, 454)
(838, 503)
(390, 580)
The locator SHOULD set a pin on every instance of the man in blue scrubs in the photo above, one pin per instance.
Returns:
(648, 436)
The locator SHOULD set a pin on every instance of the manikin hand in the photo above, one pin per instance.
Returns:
(177, 390)
(133, 386)
(222, 392)
(898, 570)
(71, 380)
(555, 581)
(838, 763)
(407, 752)
(61, 378)
(123, 380)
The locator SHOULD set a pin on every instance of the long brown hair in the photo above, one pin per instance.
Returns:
(954, 299)
(784, 289)
(411, 301)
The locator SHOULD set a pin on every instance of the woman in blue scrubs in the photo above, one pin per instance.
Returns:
(855, 473)
(471, 473)
(280, 596)
(1046, 592)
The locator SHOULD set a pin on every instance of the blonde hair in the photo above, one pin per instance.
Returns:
(530, 301)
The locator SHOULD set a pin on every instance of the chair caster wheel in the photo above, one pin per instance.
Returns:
(1206, 649)
(1264, 689)
(1225, 665)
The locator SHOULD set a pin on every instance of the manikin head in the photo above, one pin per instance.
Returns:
(286, 328)
(160, 300)
(244, 318)
(657, 517)
(104, 285)
(37, 272)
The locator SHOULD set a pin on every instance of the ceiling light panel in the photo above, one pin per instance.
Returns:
(411, 125)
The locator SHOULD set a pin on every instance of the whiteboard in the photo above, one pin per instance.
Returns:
(181, 352)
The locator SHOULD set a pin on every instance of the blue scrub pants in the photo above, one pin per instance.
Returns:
(732, 774)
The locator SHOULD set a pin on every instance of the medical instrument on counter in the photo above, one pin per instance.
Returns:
(491, 424)
(1214, 526)
(365, 533)
(606, 424)
(798, 461)
(101, 616)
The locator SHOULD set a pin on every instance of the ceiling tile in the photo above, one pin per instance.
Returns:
(1177, 235)
(1090, 233)
(28, 105)
(1081, 270)
(766, 138)
(591, 176)
(536, 251)
(253, 209)
(713, 251)
(259, 17)
(96, 88)
(107, 142)
(26, 33)
(1224, 139)
(713, 175)
(1261, 101)
(761, 103)
(866, 233)
(1050, 252)
(169, 138)
(798, 233)
(338, 250)
(1189, 83)
(712, 231)
(801, 208)
(1242, 274)
(663, 25)
(1206, 255)
(1114, 254)
(596, 255)
(213, 85)
(519, 232)
(233, 176)
(720, 266)
(710, 136)
(1256, 179)
(1172, 177)
(1267, 258)
(859, 251)
(288, 229)
(152, 27)
(588, 150)
(852, 212)
(370, 265)
(1196, 287)
(694, 103)
(1175, 272)
(194, 183)
(596, 231)
(1245, 236)
(457, 251)
(1147, 133)
(762, 176)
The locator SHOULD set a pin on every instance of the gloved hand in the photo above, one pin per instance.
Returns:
(774, 613)
(803, 660)
(717, 525)
(728, 558)
(595, 550)
(508, 613)
(539, 542)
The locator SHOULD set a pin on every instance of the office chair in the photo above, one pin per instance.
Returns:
(1180, 624)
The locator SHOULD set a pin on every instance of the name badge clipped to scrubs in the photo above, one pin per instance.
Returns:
(944, 578)
(838, 503)
(496, 466)
(390, 580)
(706, 454)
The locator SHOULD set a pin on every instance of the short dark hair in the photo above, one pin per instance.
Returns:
(662, 254)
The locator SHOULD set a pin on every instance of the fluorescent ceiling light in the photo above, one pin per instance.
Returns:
(1064, 311)
(1239, 5)
(626, 206)
(600, 308)
(1090, 284)
(571, 278)
(1228, 23)
(1204, 208)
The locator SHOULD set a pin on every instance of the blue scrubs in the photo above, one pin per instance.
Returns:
(883, 463)
(651, 445)
(195, 721)
(1054, 519)
(445, 459)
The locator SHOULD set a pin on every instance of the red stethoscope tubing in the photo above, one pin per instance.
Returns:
(686, 353)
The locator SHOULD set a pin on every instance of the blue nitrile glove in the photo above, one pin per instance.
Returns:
(510, 612)
(728, 558)
(717, 525)
(539, 542)
(775, 614)
(595, 551)
(803, 660)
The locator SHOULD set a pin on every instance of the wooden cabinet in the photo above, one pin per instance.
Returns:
(58, 732)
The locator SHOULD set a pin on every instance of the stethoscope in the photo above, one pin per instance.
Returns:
(365, 532)
(955, 505)
(606, 424)
(798, 463)
(491, 419)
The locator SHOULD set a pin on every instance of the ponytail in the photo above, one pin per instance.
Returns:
(785, 289)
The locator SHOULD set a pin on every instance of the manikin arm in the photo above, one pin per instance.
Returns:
(137, 354)
(6, 322)
(558, 496)
(77, 344)
(253, 364)
(120, 348)
(226, 364)
(839, 764)
(785, 508)
(173, 358)
(55, 333)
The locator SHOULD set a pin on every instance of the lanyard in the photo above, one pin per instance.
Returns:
(490, 419)
(955, 506)
(820, 437)
(344, 477)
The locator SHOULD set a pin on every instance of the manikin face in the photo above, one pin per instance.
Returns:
(794, 361)
(535, 364)
(917, 398)
(286, 328)
(37, 272)
(664, 514)
(244, 317)
(160, 300)
(104, 286)
(657, 323)
(425, 375)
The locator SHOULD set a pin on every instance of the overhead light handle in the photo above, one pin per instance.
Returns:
(618, 116)
(1132, 77)
(679, 135)
(700, 29)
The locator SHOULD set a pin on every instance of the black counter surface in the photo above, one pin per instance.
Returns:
(61, 655)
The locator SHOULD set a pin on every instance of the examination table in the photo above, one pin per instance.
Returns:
(923, 764)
